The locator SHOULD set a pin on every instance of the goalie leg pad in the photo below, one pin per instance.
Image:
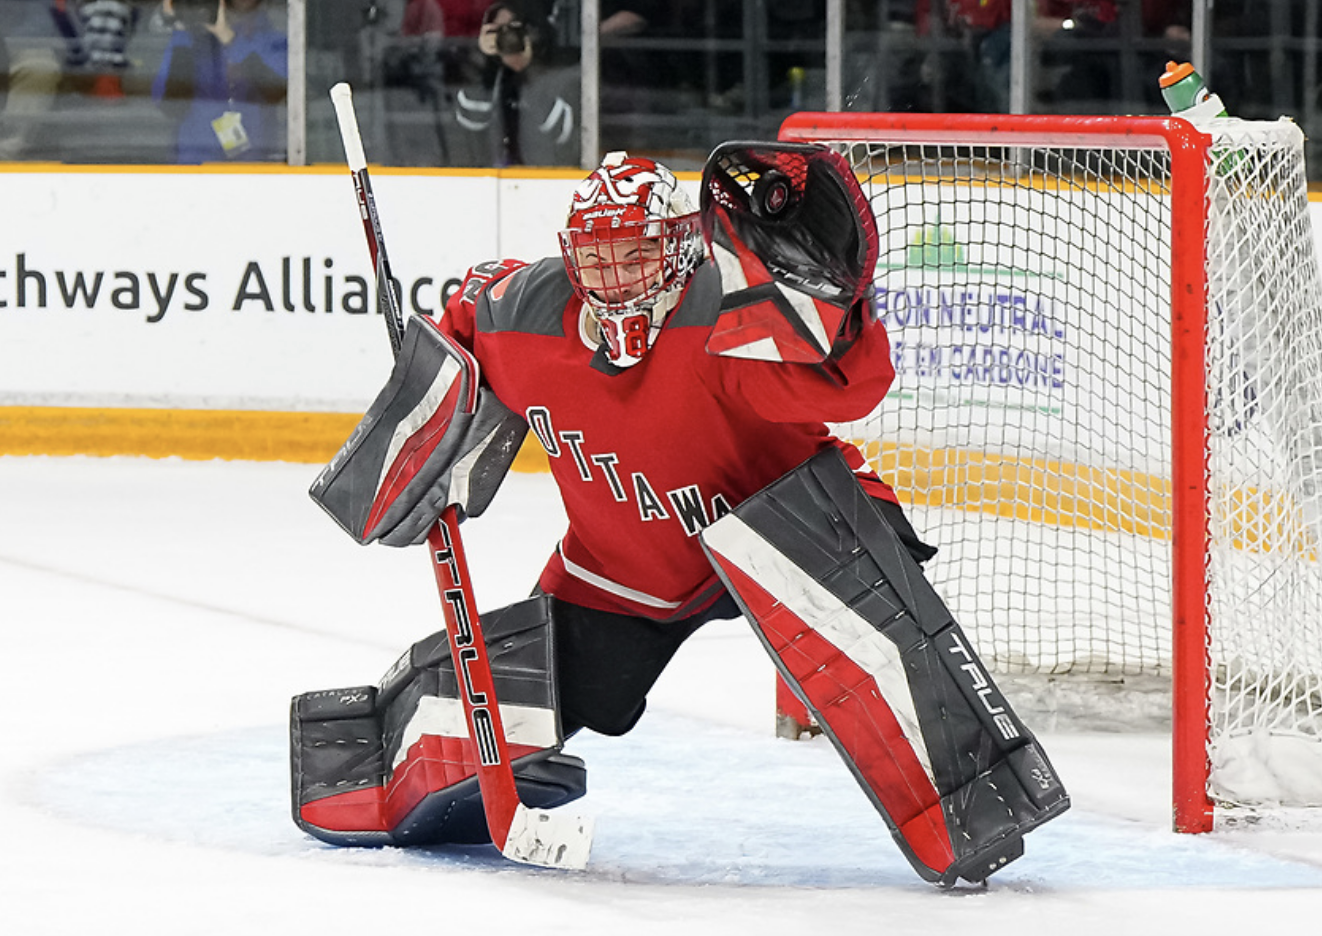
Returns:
(864, 640)
(393, 764)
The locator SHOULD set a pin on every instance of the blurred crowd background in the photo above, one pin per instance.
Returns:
(468, 83)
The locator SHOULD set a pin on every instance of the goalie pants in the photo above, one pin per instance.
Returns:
(608, 662)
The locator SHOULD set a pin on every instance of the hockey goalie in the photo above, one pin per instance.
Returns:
(679, 366)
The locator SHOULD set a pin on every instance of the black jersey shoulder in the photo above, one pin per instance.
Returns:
(702, 300)
(530, 300)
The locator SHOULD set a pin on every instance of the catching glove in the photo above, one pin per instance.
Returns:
(796, 244)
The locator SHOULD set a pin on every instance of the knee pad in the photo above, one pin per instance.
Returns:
(392, 764)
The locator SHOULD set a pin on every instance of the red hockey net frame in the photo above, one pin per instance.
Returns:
(1189, 153)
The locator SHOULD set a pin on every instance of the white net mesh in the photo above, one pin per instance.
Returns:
(1264, 355)
(1027, 293)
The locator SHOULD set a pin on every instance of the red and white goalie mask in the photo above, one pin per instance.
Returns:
(631, 243)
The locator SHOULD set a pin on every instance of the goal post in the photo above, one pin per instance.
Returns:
(1108, 412)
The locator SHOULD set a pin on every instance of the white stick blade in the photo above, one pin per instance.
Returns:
(549, 839)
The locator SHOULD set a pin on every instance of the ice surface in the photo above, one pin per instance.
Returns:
(157, 616)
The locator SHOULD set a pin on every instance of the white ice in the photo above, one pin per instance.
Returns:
(157, 616)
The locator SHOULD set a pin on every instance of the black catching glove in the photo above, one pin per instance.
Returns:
(796, 244)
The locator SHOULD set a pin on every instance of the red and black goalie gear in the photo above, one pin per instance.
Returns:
(393, 764)
(793, 236)
(864, 640)
(433, 437)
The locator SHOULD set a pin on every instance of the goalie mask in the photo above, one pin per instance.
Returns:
(632, 242)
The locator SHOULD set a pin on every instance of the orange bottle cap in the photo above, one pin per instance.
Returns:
(1175, 71)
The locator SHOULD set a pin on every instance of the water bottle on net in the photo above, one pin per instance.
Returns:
(1187, 96)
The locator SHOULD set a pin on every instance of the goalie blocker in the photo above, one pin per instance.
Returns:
(866, 643)
(434, 436)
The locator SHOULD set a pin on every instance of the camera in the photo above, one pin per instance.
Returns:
(195, 13)
(511, 38)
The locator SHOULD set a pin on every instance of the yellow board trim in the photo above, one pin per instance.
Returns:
(1044, 491)
(194, 434)
(1065, 495)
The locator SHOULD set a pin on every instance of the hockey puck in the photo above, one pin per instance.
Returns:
(773, 194)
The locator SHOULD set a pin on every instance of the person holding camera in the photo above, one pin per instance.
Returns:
(223, 78)
(526, 113)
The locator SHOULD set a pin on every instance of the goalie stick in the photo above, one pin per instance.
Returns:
(532, 836)
(342, 98)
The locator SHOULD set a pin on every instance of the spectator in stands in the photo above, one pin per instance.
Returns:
(627, 68)
(97, 34)
(414, 57)
(59, 47)
(463, 21)
(417, 69)
(1076, 74)
(1071, 72)
(222, 79)
(1170, 19)
(1075, 14)
(34, 54)
(418, 55)
(526, 113)
(626, 17)
(983, 82)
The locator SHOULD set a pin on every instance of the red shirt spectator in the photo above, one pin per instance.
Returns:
(965, 15)
(463, 17)
(1098, 11)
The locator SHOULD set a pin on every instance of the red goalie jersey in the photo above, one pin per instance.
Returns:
(647, 456)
